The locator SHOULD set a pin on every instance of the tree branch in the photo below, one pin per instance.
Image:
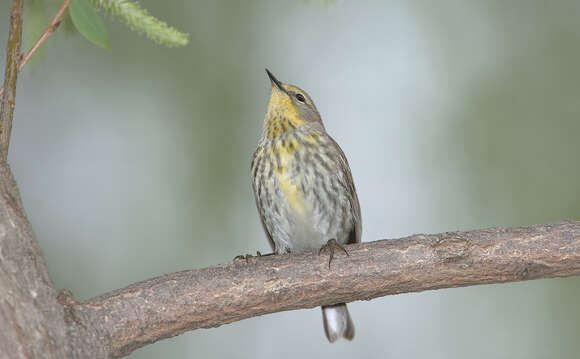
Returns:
(162, 307)
(10, 76)
(33, 324)
(49, 30)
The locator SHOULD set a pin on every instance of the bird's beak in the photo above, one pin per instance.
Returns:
(275, 81)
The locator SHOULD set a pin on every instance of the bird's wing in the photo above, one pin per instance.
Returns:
(255, 167)
(348, 183)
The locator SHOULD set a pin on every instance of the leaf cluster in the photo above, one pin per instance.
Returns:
(86, 18)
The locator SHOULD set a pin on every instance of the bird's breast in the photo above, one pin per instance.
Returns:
(290, 176)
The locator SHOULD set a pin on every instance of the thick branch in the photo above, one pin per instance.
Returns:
(33, 324)
(166, 306)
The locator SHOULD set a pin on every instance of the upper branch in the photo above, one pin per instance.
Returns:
(145, 312)
(54, 23)
(10, 76)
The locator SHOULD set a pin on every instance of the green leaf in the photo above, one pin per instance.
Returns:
(89, 23)
(140, 21)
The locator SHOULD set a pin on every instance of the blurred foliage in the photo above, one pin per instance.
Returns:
(516, 129)
(138, 20)
(38, 13)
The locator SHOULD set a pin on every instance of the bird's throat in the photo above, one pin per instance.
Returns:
(280, 122)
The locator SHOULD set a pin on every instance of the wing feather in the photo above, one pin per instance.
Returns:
(342, 162)
(256, 163)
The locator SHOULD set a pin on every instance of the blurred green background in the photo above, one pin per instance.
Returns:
(454, 115)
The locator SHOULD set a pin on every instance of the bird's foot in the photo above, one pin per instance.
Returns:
(331, 245)
(247, 256)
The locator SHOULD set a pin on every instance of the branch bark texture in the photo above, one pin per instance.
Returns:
(166, 306)
(32, 322)
(10, 76)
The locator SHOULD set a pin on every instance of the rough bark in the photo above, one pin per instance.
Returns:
(31, 320)
(166, 306)
(10, 76)
(33, 324)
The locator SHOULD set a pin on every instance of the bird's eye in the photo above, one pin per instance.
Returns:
(300, 97)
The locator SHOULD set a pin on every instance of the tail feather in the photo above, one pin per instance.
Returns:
(337, 322)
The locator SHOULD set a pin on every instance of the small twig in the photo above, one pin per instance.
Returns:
(56, 20)
(49, 30)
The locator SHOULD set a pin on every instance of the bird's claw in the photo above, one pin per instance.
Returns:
(247, 256)
(331, 245)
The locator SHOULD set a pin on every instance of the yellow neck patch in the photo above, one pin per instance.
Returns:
(281, 116)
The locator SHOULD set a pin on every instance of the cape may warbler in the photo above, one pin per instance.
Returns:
(303, 187)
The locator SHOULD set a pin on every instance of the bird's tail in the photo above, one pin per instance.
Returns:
(337, 322)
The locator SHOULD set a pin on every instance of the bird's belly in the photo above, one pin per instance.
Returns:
(310, 221)
(304, 232)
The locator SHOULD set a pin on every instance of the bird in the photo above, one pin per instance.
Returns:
(303, 188)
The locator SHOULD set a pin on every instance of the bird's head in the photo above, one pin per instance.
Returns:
(290, 105)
